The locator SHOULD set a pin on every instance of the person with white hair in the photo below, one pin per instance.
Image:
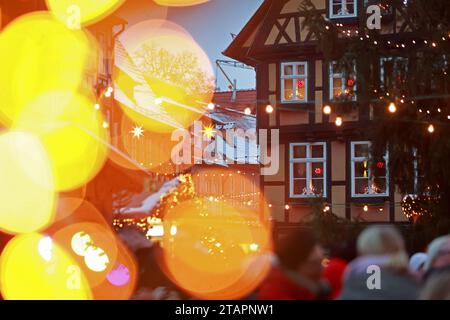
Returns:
(417, 262)
(437, 267)
(438, 253)
(383, 258)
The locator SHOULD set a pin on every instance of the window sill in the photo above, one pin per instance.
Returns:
(307, 197)
(347, 20)
(370, 198)
(295, 101)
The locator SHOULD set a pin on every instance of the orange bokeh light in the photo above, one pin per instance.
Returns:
(120, 282)
(217, 252)
(147, 151)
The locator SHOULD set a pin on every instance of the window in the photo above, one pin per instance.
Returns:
(342, 86)
(294, 82)
(307, 170)
(393, 71)
(342, 8)
(368, 182)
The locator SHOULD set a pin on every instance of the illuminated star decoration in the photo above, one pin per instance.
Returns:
(208, 131)
(137, 132)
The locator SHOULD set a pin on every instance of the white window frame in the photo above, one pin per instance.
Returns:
(361, 159)
(294, 77)
(343, 4)
(307, 160)
(335, 75)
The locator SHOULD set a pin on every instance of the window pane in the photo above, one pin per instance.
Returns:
(380, 169)
(361, 169)
(288, 90)
(350, 7)
(288, 70)
(300, 187)
(379, 185)
(317, 186)
(301, 70)
(361, 150)
(317, 170)
(341, 7)
(337, 87)
(301, 89)
(317, 151)
(361, 186)
(299, 170)
(300, 152)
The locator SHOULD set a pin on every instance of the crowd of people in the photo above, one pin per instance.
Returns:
(378, 268)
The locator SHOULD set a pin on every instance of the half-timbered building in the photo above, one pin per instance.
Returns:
(323, 153)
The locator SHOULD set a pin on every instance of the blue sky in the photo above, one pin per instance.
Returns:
(210, 24)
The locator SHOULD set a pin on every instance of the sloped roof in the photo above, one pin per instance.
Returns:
(244, 99)
(229, 112)
(236, 49)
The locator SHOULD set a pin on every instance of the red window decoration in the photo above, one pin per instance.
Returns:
(350, 82)
(300, 83)
(380, 164)
(318, 171)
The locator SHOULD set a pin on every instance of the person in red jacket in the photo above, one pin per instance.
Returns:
(334, 273)
(296, 273)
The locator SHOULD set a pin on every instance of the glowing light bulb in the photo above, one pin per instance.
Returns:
(338, 121)
(173, 230)
(248, 111)
(287, 207)
(96, 106)
(327, 109)
(430, 128)
(366, 208)
(269, 109)
(253, 247)
(211, 106)
(392, 107)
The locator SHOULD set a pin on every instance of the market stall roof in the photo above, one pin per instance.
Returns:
(145, 203)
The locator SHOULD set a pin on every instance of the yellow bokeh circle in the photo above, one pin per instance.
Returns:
(39, 54)
(27, 198)
(34, 267)
(163, 79)
(71, 131)
(76, 13)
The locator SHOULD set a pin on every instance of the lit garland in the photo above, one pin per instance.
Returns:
(414, 207)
